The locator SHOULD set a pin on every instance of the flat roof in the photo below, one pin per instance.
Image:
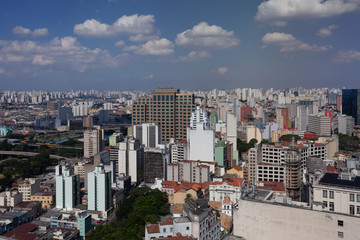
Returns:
(333, 179)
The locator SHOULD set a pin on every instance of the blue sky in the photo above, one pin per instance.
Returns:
(202, 44)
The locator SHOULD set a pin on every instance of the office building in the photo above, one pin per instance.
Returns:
(99, 190)
(148, 134)
(155, 163)
(93, 142)
(131, 159)
(65, 114)
(346, 124)
(321, 125)
(167, 108)
(178, 150)
(201, 143)
(29, 187)
(351, 104)
(199, 116)
(103, 117)
(189, 171)
(67, 190)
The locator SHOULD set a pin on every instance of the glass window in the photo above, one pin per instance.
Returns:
(324, 193)
(325, 204)
(340, 235)
(340, 223)
(352, 197)
(358, 197)
(358, 210)
(331, 194)
(331, 206)
(352, 209)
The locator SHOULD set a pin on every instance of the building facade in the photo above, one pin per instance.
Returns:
(99, 190)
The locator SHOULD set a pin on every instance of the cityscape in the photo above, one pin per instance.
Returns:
(179, 120)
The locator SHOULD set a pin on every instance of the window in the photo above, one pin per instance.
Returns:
(331, 206)
(352, 197)
(325, 204)
(352, 209)
(340, 234)
(331, 194)
(358, 197)
(324, 193)
(187, 228)
(340, 223)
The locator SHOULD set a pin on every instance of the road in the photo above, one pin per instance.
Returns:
(29, 154)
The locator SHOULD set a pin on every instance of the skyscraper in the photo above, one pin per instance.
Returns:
(67, 190)
(99, 190)
(351, 103)
(93, 142)
(169, 109)
(148, 134)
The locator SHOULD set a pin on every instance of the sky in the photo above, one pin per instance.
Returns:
(195, 45)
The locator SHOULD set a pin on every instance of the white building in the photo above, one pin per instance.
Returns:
(99, 190)
(131, 158)
(337, 193)
(28, 188)
(178, 151)
(199, 116)
(219, 190)
(67, 190)
(321, 125)
(231, 129)
(346, 124)
(10, 198)
(201, 142)
(148, 134)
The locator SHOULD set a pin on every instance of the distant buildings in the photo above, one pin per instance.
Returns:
(189, 171)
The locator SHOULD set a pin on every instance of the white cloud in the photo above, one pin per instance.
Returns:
(194, 56)
(39, 32)
(148, 77)
(222, 70)
(138, 26)
(120, 43)
(153, 47)
(2, 70)
(60, 53)
(347, 56)
(289, 43)
(326, 32)
(203, 36)
(283, 10)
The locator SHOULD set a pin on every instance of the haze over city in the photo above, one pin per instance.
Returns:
(141, 45)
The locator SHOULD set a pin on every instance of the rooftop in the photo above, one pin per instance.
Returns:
(334, 180)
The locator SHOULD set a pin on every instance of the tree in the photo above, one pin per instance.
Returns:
(289, 137)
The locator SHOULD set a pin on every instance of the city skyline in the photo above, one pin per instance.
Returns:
(143, 45)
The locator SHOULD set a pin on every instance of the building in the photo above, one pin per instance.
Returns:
(167, 108)
(47, 199)
(154, 164)
(199, 116)
(131, 159)
(189, 171)
(10, 198)
(148, 134)
(304, 109)
(201, 143)
(338, 193)
(67, 190)
(321, 125)
(346, 124)
(259, 219)
(230, 187)
(231, 129)
(99, 190)
(84, 224)
(65, 114)
(282, 118)
(351, 104)
(178, 150)
(29, 187)
(93, 142)
(103, 117)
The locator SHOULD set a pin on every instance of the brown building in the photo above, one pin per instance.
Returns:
(169, 109)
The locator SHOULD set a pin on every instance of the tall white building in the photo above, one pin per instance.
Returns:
(67, 190)
(231, 129)
(201, 142)
(99, 190)
(199, 116)
(148, 134)
(320, 125)
(131, 158)
(93, 142)
(346, 124)
(178, 151)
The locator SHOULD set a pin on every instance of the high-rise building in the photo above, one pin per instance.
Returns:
(93, 142)
(29, 187)
(103, 117)
(351, 104)
(65, 114)
(319, 125)
(201, 143)
(131, 158)
(99, 190)
(169, 109)
(346, 124)
(199, 116)
(148, 134)
(154, 164)
(178, 150)
(67, 190)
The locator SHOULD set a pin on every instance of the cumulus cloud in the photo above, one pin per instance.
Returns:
(120, 43)
(61, 53)
(273, 11)
(222, 70)
(289, 43)
(139, 27)
(153, 47)
(194, 56)
(204, 36)
(347, 56)
(39, 32)
(326, 32)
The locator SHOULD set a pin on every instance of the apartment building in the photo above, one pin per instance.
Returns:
(28, 188)
(189, 171)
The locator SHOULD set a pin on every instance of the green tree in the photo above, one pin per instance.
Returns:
(289, 137)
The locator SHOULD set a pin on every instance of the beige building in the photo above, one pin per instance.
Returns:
(259, 220)
(10, 198)
(29, 187)
(189, 171)
(93, 142)
(47, 199)
(167, 108)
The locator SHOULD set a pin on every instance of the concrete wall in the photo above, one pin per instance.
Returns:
(258, 221)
